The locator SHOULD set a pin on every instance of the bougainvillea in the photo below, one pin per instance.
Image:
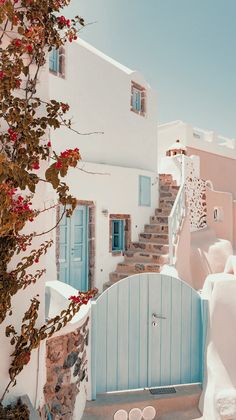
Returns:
(29, 30)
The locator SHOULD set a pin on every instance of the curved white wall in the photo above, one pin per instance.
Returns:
(218, 401)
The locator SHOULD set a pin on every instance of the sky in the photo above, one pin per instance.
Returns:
(186, 50)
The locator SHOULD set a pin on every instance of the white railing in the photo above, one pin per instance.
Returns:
(176, 216)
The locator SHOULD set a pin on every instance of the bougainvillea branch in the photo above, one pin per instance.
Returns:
(29, 30)
(31, 336)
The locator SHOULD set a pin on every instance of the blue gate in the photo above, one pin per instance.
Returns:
(146, 332)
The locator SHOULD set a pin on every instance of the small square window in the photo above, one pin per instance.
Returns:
(138, 99)
(144, 191)
(118, 235)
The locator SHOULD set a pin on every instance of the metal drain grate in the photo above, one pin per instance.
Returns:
(160, 391)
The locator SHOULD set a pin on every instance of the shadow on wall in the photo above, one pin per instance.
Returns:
(208, 255)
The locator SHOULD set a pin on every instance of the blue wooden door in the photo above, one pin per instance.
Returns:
(146, 332)
(73, 259)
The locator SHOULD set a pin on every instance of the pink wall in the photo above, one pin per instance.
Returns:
(234, 226)
(223, 201)
(219, 169)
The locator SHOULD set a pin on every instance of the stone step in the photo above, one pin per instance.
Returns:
(171, 195)
(138, 267)
(156, 228)
(116, 276)
(165, 177)
(169, 187)
(160, 211)
(167, 181)
(141, 246)
(159, 219)
(160, 238)
(166, 202)
(149, 257)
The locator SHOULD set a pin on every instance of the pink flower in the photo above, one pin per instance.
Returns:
(2, 75)
(16, 42)
(59, 164)
(35, 165)
(29, 48)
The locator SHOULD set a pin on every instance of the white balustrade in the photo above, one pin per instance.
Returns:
(177, 214)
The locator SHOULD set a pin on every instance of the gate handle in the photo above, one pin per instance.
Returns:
(155, 316)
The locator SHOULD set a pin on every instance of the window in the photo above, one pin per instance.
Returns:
(218, 214)
(57, 61)
(138, 99)
(144, 191)
(117, 235)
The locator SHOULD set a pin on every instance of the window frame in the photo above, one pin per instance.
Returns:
(142, 201)
(120, 235)
(142, 108)
(59, 68)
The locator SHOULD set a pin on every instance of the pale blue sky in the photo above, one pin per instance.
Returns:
(186, 49)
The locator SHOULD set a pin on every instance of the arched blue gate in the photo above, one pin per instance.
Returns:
(146, 332)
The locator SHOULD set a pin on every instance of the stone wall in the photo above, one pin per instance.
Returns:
(67, 371)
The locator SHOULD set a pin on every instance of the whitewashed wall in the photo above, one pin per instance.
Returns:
(99, 91)
(115, 189)
(31, 380)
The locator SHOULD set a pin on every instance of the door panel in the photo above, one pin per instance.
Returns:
(74, 249)
(64, 249)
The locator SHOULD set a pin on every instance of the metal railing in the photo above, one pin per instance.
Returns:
(177, 215)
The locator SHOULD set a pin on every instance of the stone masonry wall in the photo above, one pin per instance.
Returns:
(66, 364)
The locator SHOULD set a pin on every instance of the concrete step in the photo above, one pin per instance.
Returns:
(160, 238)
(163, 220)
(148, 257)
(182, 405)
(156, 228)
(141, 246)
(138, 267)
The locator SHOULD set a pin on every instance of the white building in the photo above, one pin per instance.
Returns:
(115, 183)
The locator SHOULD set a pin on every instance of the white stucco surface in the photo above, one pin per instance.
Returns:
(116, 190)
(218, 401)
(98, 90)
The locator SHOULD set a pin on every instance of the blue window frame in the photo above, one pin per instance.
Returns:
(144, 191)
(136, 100)
(54, 60)
(117, 235)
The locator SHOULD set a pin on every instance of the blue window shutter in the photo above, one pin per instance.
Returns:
(144, 191)
(117, 235)
(54, 60)
(136, 100)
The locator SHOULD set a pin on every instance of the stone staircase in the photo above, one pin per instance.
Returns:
(150, 253)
